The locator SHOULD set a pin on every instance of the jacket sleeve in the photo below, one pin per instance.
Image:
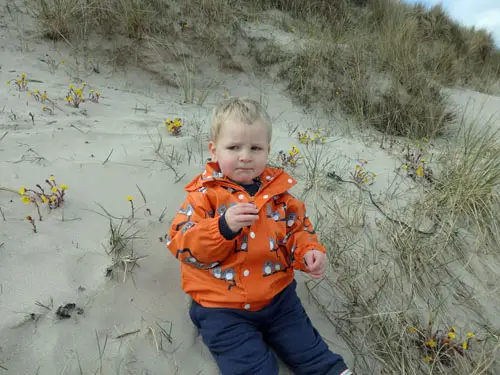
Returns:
(300, 234)
(195, 237)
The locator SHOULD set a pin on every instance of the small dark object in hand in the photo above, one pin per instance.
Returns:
(64, 312)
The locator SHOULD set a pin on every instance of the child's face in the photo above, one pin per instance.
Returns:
(241, 150)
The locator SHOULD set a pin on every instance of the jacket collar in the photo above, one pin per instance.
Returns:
(274, 180)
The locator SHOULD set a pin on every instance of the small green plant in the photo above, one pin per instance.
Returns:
(174, 126)
(21, 82)
(361, 175)
(289, 159)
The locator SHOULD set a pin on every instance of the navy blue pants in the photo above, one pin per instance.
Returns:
(239, 340)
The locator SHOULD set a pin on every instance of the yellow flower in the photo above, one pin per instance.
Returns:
(464, 345)
(71, 86)
(358, 166)
(431, 343)
(51, 178)
(22, 75)
(54, 189)
(451, 335)
(129, 198)
(44, 199)
(427, 359)
(22, 190)
(53, 198)
(412, 329)
(26, 199)
(64, 187)
(422, 160)
(8, 82)
(29, 93)
(470, 334)
(425, 139)
(62, 61)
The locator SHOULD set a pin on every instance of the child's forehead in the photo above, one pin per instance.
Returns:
(241, 130)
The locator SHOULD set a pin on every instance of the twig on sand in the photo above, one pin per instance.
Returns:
(127, 334)
(3, 136)
(1, 244)
(1, 213)
(162, 214)
(101, 351)
(142, 194)
(36, 156)
(105, 161)
(9, 189)
(44, 306)
(4, 368)
(80, 130)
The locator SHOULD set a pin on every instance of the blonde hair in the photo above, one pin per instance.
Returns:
(245, 109)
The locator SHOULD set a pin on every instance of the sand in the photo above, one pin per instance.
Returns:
(104, 151)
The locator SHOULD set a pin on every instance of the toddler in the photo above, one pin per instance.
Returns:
(239, 236)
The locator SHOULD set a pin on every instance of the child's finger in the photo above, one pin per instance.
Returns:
(243, 219)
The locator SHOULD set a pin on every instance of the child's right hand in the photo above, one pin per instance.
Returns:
(241, 215)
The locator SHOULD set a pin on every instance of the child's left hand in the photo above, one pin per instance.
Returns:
(315, 262)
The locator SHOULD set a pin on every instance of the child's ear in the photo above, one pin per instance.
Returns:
(212, 149)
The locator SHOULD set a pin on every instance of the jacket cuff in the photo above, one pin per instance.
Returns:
(301, 252)
(224, 229)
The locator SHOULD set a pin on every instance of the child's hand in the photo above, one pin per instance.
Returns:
(315, 262)
(241, 215)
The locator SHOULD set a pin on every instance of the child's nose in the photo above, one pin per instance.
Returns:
(245, 156)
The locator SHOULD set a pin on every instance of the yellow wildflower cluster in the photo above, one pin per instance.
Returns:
(361, 175)
(306, 138)
(54, 197)
(75, 95)
(21, 82)
(415, 163)
(39, 97)
(440, 346)
(94, 95)
(291, 158)
(174, 126)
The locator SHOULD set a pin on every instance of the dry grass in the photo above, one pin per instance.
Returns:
(403, 297)
(468, 189)
(380, 60)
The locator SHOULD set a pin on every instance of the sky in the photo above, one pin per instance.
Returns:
(478, 13)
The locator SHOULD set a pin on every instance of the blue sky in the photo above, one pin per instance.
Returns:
(479, 13)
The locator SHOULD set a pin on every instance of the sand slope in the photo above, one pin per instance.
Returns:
(65, 262)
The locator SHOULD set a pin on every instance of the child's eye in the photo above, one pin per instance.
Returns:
(233, 148)
(256, 148)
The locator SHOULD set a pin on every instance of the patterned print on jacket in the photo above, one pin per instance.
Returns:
(249, 270)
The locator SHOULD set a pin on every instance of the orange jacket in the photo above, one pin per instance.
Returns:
(249, 270)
